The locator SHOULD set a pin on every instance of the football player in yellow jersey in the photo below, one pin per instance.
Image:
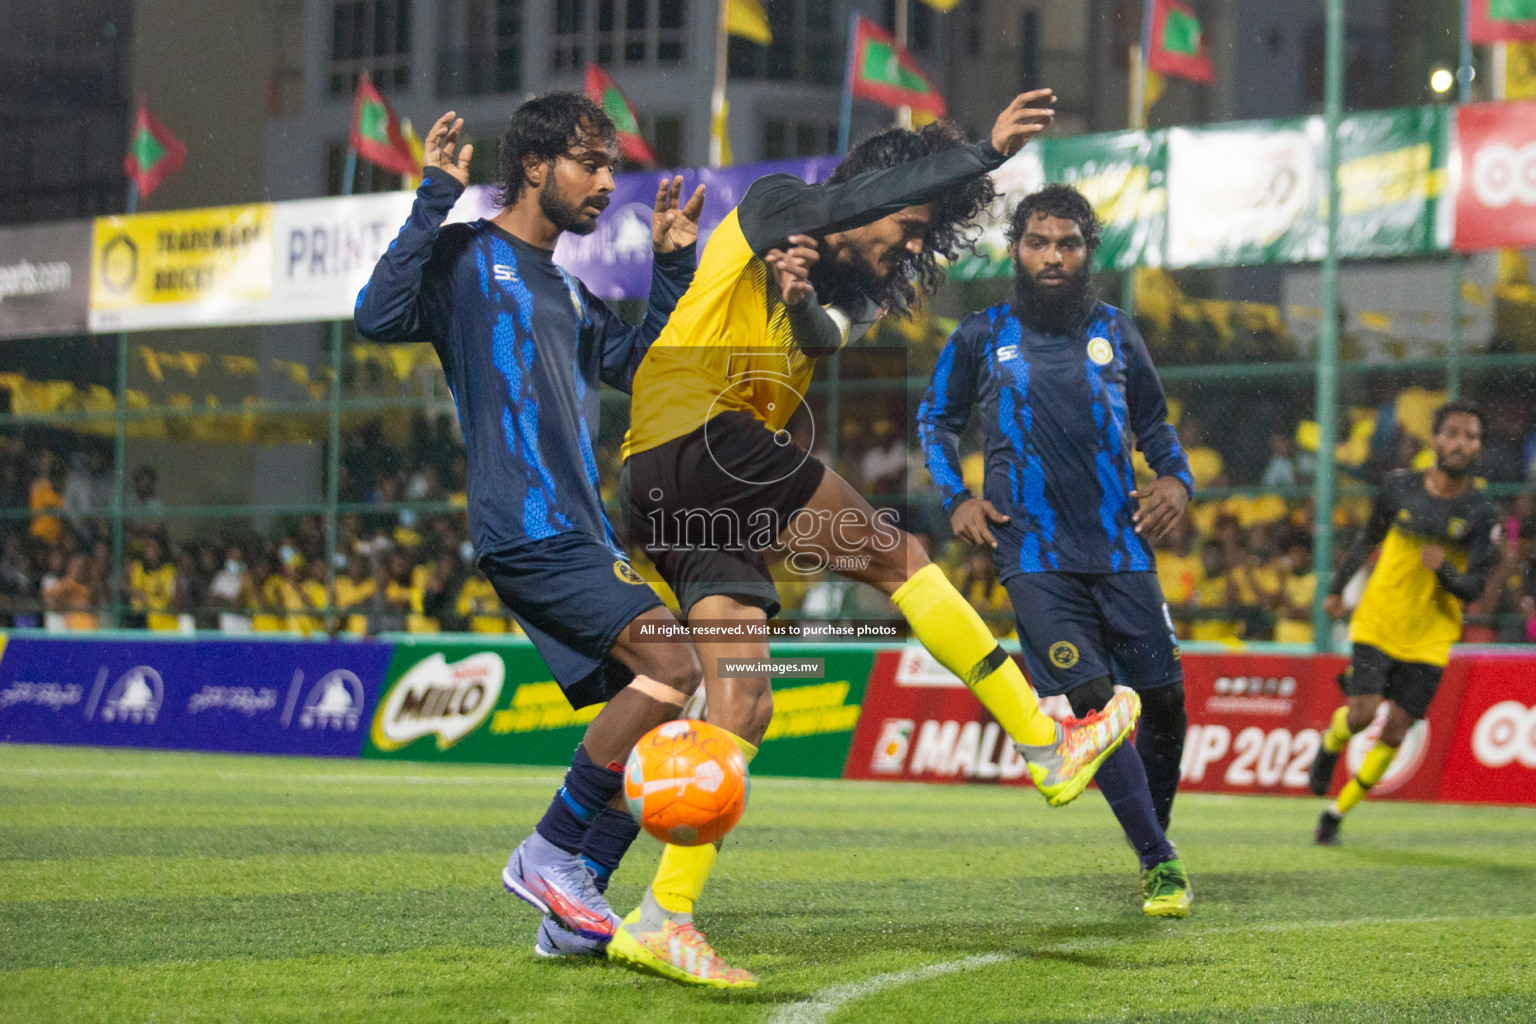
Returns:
(716, 484)
(1437, 536)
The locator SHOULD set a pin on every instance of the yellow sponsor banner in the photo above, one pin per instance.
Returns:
(180, 268)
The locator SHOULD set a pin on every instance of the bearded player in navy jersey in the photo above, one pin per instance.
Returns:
(525, 347)
(1065, 388)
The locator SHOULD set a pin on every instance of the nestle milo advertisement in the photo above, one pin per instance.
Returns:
(477, 701)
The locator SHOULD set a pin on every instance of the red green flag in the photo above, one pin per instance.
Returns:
(1497, 21)
(888, 74)
(602, 90)
(154, 154)
(1178, 43)
(376, 131)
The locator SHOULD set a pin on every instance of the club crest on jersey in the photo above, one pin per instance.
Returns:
(1100, 351)
(1063, 654)
(626, 572)
(1456, 528)
(1007, 352)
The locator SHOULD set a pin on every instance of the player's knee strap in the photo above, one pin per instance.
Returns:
(1162, 710)
(658, 691)
(1091, 696)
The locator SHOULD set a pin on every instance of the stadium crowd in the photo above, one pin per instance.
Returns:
(1236, 568)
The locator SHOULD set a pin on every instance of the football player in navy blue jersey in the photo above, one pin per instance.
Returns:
(1065, 388)
(525, 347)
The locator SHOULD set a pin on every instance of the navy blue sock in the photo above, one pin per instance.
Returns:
(608, 838)
(1123, 781)
(588, 788)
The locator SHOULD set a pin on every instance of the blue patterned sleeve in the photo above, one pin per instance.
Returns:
(393, 305)
(944, 413)
(625, 344)
(1155, 437)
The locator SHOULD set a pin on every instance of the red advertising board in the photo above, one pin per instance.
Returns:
(1493, 756)
(1255, 723)
(1493, 169)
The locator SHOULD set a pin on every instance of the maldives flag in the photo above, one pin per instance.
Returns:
(886, 73)
(376, 131)
(1497, 21)
(602, 91)
(1178, 43)
(154, 154)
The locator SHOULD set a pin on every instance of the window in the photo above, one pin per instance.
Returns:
(973, 31)
(285, 85)
(368, 177)
(371, 37)
(783, 140)
(807, 46)
(570, 27)
(636, 32)
(665, 134)
(480, 47)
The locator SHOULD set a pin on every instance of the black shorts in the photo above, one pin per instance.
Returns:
(1078, 627)
(705, 506)
(573, 594)
(1411, 685)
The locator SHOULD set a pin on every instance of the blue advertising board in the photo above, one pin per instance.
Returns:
(269, 697)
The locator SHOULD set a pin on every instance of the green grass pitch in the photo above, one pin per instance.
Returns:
(140, 886)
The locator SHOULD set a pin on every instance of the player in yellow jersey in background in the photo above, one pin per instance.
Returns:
(1437, 536)
(716, 485)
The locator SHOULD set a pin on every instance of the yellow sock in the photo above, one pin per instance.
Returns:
(1375, 765)
(1338, 732)
(683, 870)
(946, 624)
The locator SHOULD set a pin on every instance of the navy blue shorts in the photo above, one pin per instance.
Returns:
(1076, 627)
(573, 595)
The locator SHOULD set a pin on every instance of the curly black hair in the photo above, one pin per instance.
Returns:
(1462, 405)
(1062, 201)
(546, 127)
(955, 211)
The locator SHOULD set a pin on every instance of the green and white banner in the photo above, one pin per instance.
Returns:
(1240, 194)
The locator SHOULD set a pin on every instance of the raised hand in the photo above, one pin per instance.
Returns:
(1028, 115)
(672, 226)
(792, 268)
(437, 151)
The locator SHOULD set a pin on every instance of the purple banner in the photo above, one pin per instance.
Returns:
(251, 697)
(615, 260)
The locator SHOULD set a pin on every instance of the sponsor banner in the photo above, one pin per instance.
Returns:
(458, 701)
(272, 698)
(1494, 166)
(45, 274)
(324, 251)
(182, 269)
(1256, 192)
(1493, 755)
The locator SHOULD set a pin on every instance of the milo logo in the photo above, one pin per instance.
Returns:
(436, 698)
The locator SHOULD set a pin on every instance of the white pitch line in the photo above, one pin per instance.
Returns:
(822, 1005)
(409, 780)
(829, 1000)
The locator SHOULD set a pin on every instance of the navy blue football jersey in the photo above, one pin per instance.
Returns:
(1061, 414)
(524, 346)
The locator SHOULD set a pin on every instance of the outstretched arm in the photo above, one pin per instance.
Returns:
(391, 306)
(781, 205)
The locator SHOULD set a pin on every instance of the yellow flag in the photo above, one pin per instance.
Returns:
(717, 130)
(1154, 89)
(417, 147)
(1519, 70)
(747, 19)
